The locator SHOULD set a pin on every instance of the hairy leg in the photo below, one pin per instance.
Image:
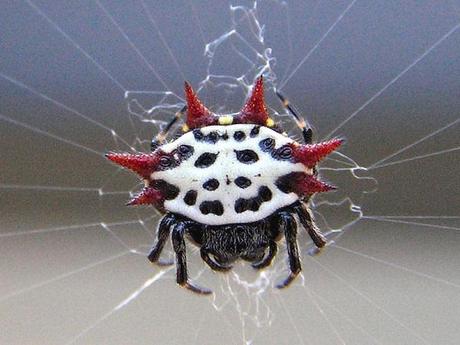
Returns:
(163, 234)
(178, 241)
(289, 224)
(308, 222)
(307, 132)
(160, 138)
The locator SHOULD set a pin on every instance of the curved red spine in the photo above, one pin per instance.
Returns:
(302, 184)
(309, 184)
(197, 114)
(254, 111)
(141, 163)
(310, 155)
(148, 196)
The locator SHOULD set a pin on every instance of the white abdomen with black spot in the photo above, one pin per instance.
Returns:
(229, 178)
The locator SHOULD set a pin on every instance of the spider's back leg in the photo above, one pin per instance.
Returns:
(307, 132)
(160, 138)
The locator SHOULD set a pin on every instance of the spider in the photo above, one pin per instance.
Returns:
(232, 185)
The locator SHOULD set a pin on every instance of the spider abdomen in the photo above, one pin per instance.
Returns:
(231, 174)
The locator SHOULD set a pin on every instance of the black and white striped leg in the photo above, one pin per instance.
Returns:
(160, 138)
(178, 242)
(289, 224)
(308, 222)
(163, 234)
(307, 132)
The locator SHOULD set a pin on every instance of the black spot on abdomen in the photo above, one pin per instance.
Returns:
(169, 191)
(241, 205)
(185, 152)
(198, 134)
(190, 197)
(267, 145)
(287, 183)
(214, 207)
(242, 182)
(254, 131)
(246, 156)
(206, 159)
(239, 135)
(253, 204)
(283, 153)
(211, 138)
(211, 184)
(265, 193)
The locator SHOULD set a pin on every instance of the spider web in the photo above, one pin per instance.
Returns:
(75, 269)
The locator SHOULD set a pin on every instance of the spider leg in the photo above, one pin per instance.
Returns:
(307, 132)
(308, 222)
(272, 249)
(178, 241)
(161, 136)
(212, 263)
(163, 234)
(289, 224)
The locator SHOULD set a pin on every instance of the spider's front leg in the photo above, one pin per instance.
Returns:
(163, 234)
(178, 241)
(289, 224)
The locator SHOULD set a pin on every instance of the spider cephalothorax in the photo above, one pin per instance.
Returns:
(233, 184)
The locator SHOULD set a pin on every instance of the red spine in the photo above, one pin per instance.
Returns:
(142, 163)
(254, 111)
(310, 155)
(197, 114)
(148, 196)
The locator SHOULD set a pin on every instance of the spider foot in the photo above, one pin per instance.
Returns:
(195, 288)
(315, 251)
(154, 256)
(155, 259)
(164, 262)
(288, 280)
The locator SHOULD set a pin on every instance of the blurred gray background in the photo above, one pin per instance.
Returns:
(72, 255)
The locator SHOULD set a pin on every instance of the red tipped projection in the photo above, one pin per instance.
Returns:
(308, 184)
(142, 163)
(148, 196)
(302, 184)
(197, 114)
(310, 155)
(254, 111)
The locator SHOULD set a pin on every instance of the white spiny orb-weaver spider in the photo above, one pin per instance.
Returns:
(233, 184)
